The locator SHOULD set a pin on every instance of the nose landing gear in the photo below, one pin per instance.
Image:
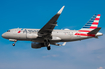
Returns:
(13, 44)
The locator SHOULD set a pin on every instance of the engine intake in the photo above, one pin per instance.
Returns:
(37, 45)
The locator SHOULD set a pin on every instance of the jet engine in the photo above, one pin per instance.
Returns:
(37, 45)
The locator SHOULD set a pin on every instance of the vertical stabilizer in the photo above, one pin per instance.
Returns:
(91, 27)
(91, 24)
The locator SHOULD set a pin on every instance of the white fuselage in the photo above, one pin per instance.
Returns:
(32, 35)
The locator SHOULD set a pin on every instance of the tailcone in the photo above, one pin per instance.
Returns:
(99, 34)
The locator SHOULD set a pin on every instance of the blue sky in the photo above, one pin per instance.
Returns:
(86, 54)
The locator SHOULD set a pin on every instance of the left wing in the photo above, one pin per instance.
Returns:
(47, 29)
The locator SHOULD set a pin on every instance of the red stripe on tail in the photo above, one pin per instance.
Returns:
(93, 27)
(99, 15)
(97, 18)
(96, 23)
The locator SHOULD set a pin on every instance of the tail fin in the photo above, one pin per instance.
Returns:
(91, 24)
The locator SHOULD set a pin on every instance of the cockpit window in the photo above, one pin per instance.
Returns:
(8, 31)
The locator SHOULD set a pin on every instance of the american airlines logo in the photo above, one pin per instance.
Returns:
(30, 31)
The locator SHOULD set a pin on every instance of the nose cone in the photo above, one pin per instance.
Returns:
(3, 35)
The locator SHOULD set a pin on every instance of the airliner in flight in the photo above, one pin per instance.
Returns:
(48, 35)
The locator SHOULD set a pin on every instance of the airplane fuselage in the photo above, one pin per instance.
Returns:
(57, 35)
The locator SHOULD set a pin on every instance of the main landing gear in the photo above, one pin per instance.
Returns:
(48, 48)
(47, 44)
(14, 44)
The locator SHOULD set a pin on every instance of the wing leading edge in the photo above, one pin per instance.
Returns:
(47, 29)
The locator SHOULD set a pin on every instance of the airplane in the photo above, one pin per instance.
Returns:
(47, 35)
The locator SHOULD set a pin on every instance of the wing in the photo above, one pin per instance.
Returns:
(47, 29)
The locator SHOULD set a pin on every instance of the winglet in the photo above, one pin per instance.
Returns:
(60, 11)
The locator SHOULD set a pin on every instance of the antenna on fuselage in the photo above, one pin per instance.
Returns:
(18, 28)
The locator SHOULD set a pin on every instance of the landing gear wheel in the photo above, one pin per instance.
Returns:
(13, 44)
(48, 48)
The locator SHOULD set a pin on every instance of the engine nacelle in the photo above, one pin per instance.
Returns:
(37, 45)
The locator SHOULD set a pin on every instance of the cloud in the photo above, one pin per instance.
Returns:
(50, 56)
(90, 51)
(79, 54)
(100, 68)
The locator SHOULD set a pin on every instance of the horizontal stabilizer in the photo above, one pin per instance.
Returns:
(95, 31)
(59, 44)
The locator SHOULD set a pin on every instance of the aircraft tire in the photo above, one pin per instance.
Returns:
(13, 44)
(48, 48)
